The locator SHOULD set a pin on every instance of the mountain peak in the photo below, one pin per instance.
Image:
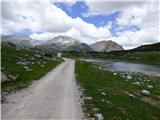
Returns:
(65, 40)
(106, 46)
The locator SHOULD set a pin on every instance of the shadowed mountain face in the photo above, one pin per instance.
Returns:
(106, 46)
(147, 48)
(64, 43)
(19, 40)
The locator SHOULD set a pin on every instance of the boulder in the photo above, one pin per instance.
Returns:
(145, 93)
(99, 116)
(4, 77)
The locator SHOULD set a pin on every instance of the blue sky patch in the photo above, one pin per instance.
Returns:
(79, 8)
(27, 31)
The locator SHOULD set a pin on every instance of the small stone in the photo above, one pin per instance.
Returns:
(42, 65)
(88, 98)
(27, 69)
(4, 77)
(95, 109)
(149, 86)
(99, 116)
(114, 73)
(103, 100)
(21, 63)
(131, 95)
(136, 83)
(13, 77)
(103, 93)
(100, 67)
(37, 55)
(129, 77)
(145, 93)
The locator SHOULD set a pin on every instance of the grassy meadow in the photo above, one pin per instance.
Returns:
(23, 65)
(116, 97)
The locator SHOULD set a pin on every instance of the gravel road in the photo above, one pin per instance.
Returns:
(54, 96)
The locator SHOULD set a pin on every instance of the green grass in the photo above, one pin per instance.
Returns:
(10, 55)
(116, 104)
(152, 57)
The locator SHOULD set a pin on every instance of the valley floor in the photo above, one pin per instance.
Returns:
(55, 96)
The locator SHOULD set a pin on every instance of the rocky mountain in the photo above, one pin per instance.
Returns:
(19, 40)
(64, 43)
(106, 46)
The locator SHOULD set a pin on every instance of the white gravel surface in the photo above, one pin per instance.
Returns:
(54, 96)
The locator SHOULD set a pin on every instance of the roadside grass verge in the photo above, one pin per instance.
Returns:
(116, 97)
(34, 64)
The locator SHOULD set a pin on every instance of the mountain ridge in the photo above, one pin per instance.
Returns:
(106, 46)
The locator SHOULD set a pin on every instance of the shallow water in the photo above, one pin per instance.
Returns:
(128, 66)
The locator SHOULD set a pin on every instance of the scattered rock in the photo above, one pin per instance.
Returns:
(95, 109)
(100, 67)
(38, 55)
(114, 73)
(103, 93)
(103, 100)
(42, 65)
(87, 98)
(129, 77)
(149, 86)
(137, 83)
(27, 69)
(4, 77)
(13, 77)
(145, 93)
(99, 116)
(131, 95)
(108, 102)
(22, 63)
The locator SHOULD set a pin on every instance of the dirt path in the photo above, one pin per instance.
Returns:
(55, 96)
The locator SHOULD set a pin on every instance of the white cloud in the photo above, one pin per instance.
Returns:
(47, 18)
(144, 14)
(43, 16)
(147, 18)
(130, 39)
(104, 7)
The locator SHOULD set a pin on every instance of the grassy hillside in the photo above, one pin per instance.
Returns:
(22, 66)
(152, 57)
(117, 97)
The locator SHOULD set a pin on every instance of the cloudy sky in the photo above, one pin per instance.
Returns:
(130, 23)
